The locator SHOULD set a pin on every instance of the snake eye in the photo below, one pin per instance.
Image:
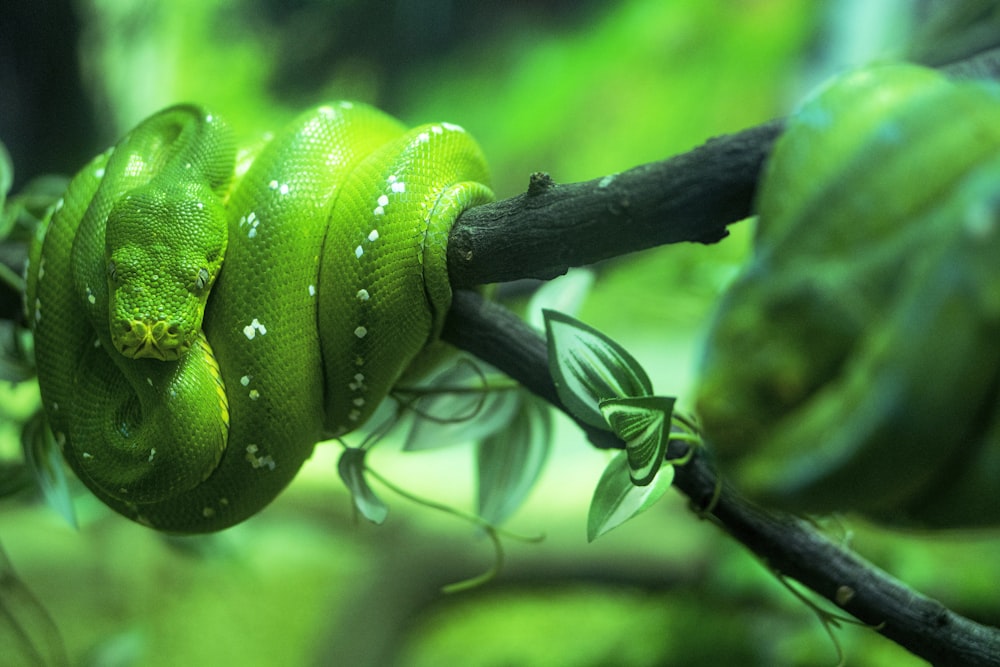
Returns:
(202, 280)
(112, 270)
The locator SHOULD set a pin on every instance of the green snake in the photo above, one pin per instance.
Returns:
(855, 363)
(204, 315)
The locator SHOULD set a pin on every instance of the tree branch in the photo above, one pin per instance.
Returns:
(788, 545)
(550, 228)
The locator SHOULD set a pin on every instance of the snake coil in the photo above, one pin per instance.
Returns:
(855, 364)
(204, 316)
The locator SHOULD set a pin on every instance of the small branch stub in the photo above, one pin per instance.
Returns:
(539, 183)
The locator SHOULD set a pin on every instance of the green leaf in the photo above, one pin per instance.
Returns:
(510, 462)
(643, 423)
(43, 456)
(16, 363)
(587, 367)
(470, 412)
(28, 634)
(616, 499)
(351, 468)
(6, 175)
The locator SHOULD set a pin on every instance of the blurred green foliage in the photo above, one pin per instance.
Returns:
(592, 89)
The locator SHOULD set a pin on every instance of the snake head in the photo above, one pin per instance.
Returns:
(164, 249)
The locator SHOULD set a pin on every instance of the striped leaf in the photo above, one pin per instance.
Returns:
(588, 367)
(643, 423)
(616, 499)
(351, 467)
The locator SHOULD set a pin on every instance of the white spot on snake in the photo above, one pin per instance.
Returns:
(382, 202)
(209, 118)
(38, 309)
(250, 220)
(363, 295)
(152, 453)
(326, 110)
(55, 407)
(187, 165)
(253, 393)
(359, 361)
(99, 173)
(452, 127)
(437, 129)
(392, 178)
(149, 381)
(358, 252)
(199, 205)
(354, 415)
(398, 187)
(283, 189)
(347, 105)
(254, 328)
(312, 290)
(358, 401)
(606, 181)
(207, 512)
(423, 138)
(224, 502)
(259, 461)
(87, 455)
(361, 332)
(91, 299)
(373, 235)
(359, 382)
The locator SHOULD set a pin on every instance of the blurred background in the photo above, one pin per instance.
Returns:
(578, 89)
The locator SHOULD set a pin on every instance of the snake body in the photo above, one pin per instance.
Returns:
(854, 364)
(204, 316)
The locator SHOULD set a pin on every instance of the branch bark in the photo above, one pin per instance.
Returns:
(550, 228)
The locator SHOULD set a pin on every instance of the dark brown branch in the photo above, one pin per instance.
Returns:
(787, 544)
(544, 232)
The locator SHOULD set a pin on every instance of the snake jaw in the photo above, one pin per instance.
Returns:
(138, 339)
